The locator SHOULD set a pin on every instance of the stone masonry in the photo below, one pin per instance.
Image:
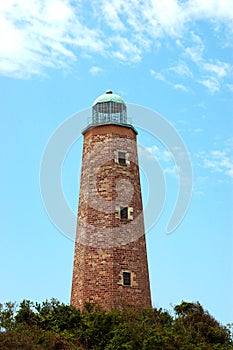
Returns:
(110, 239)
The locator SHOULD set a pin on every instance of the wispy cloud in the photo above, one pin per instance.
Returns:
(216, 68)
(160, 154)
(219, 161)
(180, 87)
(94, 70)
(181, 69)
(161, 77)
(165, 159)
(195, 52)
(111, 14)
(211, 71)
(54, 34)
(221, 69)
(211, 83)
(36, 35)
(126, 50)
(157, 75)
(211, 9)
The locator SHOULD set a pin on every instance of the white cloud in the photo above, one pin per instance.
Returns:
(181, 87)
(94, 70)
(157, 75)
(171, 171)
(126, 50)
(110, 11)
(211, 71)
(162, 155)
(195, 53)
(35, 35)
(156, 18)
(211, 83)
(164, 17)
(220, 161)
(161, 77)
(216, 68)
(38, 34)
(181, 69)
(210, 9)
(221, 69)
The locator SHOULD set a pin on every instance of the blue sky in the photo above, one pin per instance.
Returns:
(173, 57)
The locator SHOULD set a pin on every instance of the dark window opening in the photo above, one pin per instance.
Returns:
(126, 278)
(122, 158)
(124, 212)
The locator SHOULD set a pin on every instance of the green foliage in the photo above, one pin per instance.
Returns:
(30, 338)
(7, 316)
(25, 313)
(58, 317)
(52, 325)
(200, 326)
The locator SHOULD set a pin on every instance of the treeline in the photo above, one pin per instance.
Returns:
(52, 325)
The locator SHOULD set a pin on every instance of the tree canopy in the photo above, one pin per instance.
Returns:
(52, 325)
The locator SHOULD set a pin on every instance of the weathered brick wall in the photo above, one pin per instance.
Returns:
(107, 245)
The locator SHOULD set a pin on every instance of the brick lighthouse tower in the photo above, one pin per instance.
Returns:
(110, 259)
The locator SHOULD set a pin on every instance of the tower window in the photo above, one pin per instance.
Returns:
(124, 212)
(122, 158)
(126, 279)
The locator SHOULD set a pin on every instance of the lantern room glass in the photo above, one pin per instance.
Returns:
(108, 113)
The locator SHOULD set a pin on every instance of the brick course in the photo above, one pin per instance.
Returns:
(107, 245)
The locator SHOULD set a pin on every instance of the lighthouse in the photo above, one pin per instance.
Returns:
(110, 259)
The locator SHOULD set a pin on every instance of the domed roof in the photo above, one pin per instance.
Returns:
(108, 97)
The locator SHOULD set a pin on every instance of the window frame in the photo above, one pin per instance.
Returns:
(122, 161)
(126, 275)
(118, 211)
